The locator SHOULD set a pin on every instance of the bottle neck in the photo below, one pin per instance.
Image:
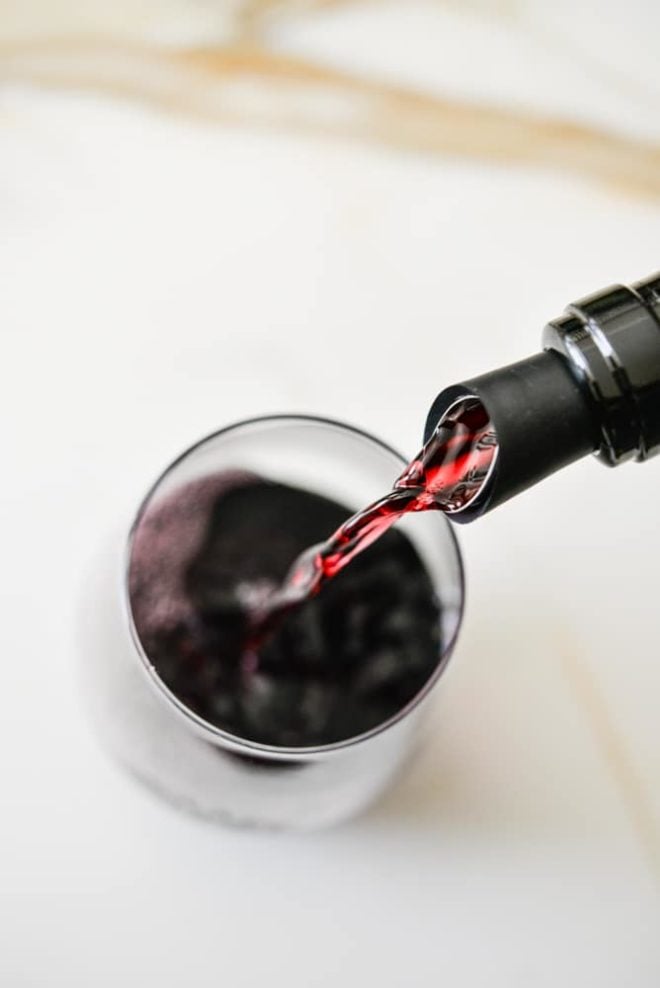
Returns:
(612, 342)
(595, 388)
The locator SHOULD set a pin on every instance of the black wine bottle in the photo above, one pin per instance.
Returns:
(595, 388)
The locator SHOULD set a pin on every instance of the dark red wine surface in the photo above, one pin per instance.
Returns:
(338, 664)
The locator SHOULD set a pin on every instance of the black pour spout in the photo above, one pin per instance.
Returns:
(594, 388)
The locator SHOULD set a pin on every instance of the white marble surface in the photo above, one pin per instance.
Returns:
(163, 274)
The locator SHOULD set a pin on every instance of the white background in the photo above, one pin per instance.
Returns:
(162, 276)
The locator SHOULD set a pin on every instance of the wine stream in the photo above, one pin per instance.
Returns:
(447, 474)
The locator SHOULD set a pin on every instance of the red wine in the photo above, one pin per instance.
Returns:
(446, 475)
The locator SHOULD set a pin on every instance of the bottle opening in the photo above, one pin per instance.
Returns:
(458, 461)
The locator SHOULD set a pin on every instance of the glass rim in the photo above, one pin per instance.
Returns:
(236, 742)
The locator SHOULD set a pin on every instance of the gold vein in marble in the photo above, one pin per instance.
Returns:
(252, 86)
(617, 758)
(252, 14)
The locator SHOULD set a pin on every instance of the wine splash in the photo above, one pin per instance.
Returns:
(448, 473)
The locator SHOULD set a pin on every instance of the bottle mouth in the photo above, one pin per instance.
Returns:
(467, 423)
(541, 419)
